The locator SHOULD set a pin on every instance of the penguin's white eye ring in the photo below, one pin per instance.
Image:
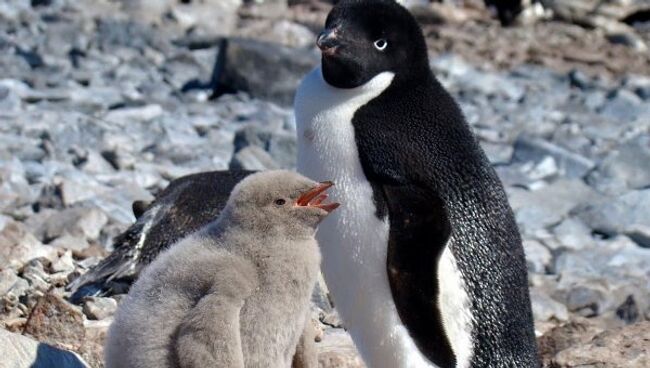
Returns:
(380, 44)
(280, 202)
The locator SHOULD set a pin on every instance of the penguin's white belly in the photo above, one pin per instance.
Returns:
(353, 240)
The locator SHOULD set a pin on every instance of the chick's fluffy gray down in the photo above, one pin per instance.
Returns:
(234, 294)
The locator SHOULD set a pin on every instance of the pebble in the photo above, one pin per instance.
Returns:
(97, 308)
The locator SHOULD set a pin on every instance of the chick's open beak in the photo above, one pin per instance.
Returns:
(316, 196)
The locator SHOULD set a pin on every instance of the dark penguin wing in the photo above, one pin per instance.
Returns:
(438, 189)
(187, 204)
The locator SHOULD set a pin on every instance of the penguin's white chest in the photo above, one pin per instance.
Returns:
(353, 240)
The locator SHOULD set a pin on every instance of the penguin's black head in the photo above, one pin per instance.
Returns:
(363, 38)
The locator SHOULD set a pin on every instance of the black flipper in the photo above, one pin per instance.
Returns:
(419, 230)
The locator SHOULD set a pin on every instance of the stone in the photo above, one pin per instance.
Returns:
(35, 273)
(625, 106)
(538, 257)
(640, 234)
(546, 308)
(19, 246)
(253, 158)
(597, 280)
(21, 352)
(549, 205)
(130, 114)
(73, 191)
(570, 164)
(639, 84)
(577, 331)
(336, 350)
(627, 346)
(628, 38)
(65, 263)
(630, 162)
(98, 308)
(79, 222)
(55, 321)
(282, 31)
(574, 234)
(619, 215)
(207, 17)
(584, 299)
(8, 279)
(497, 153)
(74, 243)
(544, 169)
(266, 71)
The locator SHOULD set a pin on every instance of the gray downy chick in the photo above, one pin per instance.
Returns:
(235, 293)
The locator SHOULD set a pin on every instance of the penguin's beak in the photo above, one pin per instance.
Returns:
(316, 196)
(328, 41)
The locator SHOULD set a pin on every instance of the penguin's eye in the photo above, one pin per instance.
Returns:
(380, 44)
(280, 202)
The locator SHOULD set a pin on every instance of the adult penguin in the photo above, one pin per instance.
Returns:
(425, 262)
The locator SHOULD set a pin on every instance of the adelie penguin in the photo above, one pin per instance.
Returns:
(425, 262)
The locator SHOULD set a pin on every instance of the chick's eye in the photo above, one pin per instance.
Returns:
(280, 202)
(381, 44)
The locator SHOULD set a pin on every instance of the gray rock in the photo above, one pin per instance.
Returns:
(497, 153)
(538, 257)
(549, 205)
(584, 300)
(35, 273)
(625, 106)
(281, 31)
(640, 234)
(77, 222)
(253, 158)
(19, 351)
(98, 308)
(639, 84)
(620, 347)
(598, 280)
(64, 264)
(574, 234)
(619, 215)
(267, 71)
(19, 245)
(130, 114)
(453, 68)
(570, 164)
(630, 162)
(8, 279)
(546, 308)
(208, 17)
(336, 349)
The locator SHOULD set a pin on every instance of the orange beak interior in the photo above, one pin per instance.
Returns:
(316, 197)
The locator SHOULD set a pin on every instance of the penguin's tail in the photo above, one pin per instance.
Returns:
(117, 271)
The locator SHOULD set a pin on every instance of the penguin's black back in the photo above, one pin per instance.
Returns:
(429, 173)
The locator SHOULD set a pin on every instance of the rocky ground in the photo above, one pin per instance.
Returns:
(104, 102)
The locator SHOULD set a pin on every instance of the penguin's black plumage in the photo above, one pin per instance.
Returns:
(430, 181)
(184, 206)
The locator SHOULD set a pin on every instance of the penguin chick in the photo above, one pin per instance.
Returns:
(235, 293)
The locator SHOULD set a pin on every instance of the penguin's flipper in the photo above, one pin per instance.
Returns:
(209, 334)
(213, 344)
(419, 231)
(121, 263)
